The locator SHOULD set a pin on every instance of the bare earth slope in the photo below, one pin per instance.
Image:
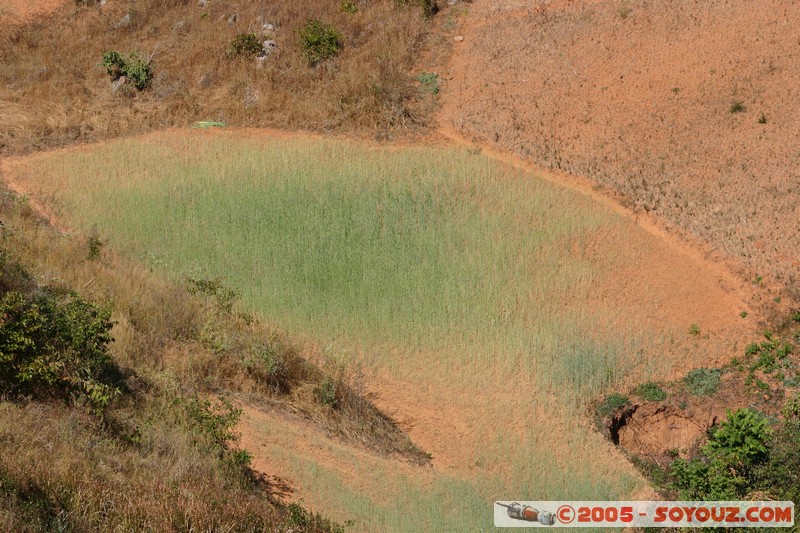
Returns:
(641, 96)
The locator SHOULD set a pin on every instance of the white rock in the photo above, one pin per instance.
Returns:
(458, 38)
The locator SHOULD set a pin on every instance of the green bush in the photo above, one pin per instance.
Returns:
(246, 45)
(55, 345)
(779, 475)
(650, 391)
(133, 67)
(702, 381)
(741, 440)
(731, 461)
(319, 41)
(704, 479)
(612, 403)
(791, 409)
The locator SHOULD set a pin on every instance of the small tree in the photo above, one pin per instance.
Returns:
(136, 69)
(319, 40)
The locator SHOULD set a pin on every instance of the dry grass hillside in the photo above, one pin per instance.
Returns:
(54, 91)
(688, 108)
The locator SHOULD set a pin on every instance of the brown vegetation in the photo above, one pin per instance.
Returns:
(50, 97)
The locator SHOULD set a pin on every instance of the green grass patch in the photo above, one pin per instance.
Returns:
(651, 392)
(702, 381)
(439, 266)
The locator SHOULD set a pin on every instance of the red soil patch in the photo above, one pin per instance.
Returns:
(639, 96)
(25, 10)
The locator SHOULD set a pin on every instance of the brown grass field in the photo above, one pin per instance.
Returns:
(638, 97)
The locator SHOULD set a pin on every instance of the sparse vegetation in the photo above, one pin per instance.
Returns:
(737, 107)
(349, 6)
(246, 45)
(723, 469)
(650, 391)
(320, 41)
(612, 403)
(762, 119)
(702, 381)
(429, 82)
(694, 329)
(133, 67)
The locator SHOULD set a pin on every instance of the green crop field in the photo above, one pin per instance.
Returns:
(438, 268)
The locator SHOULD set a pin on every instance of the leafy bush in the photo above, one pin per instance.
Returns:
(704, 479)
(55, 345)
(612, 403)
(741, 440)
(320, 41)
(650, 391)
(246, 45)
(702, 381)
(779, 475)
(133, 67)
(724, 471)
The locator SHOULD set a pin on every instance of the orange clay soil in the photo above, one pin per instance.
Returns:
(642, 97)
(25, 10)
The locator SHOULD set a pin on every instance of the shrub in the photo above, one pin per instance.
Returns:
(651, 392)
(694, 329)
(702, 381)
(429, 82)
(737, 107)
(779, 475)
(791, 409)
(320, 41)
(741, 440)
(139, 71)
(246, 45)
(328, 392)
(612, 403)
(55, 345)
(704, 479)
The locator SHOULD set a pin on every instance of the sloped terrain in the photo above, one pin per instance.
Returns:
(50, 98)
(686, 108)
